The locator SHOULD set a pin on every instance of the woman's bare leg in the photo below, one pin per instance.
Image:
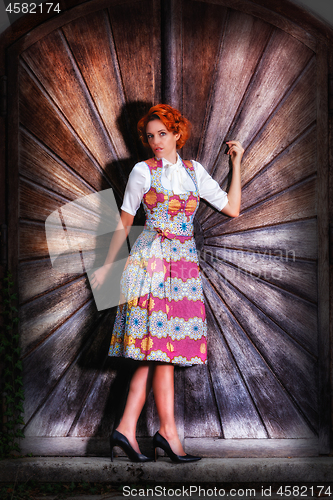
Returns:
(163, 387)
(138, 392)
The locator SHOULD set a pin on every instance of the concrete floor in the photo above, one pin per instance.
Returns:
(314, 470)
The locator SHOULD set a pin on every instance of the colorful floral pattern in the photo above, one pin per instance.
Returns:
(161, 314)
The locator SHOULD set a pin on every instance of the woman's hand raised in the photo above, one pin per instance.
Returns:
(235, 150)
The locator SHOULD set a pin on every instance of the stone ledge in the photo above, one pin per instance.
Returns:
(208, 470)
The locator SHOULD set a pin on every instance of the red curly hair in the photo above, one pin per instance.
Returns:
(172, 119)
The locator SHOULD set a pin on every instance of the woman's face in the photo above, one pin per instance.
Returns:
(162, 142)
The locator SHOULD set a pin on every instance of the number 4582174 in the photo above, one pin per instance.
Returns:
(32, 8)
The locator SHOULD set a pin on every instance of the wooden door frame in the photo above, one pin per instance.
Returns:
(295, 21)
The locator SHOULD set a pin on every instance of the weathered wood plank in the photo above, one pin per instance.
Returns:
(33, 245)
(280, 17)
(295, 164)
(201, 415)
(101, 409)
(297, 277)
(243, 42)
(291, 118)
(12, 162)
(36, 110)
(92, 45)
(239, 416)
(171, 53)
(38, 277)
(291, 240)
(276, 72)
(84, 215)
(136, 33)
(88, 54)
(36, 202)
(45, 365)
(295, 316)
(281, 418)
(252, 448)
(41, 317)
(70, 94)
(202, 30)
(294, 115)
(32, 241)
(282, 62)
(298, 23)
(323, 250)
(39, 163)
(297, 202)
(205, 447)
(294, 367)
(58, 411)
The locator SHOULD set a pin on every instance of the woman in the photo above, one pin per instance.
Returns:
(161, 321)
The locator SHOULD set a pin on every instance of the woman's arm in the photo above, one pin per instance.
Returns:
(119, 236)
(236, 152)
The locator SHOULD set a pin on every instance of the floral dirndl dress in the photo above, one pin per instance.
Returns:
(161, 312)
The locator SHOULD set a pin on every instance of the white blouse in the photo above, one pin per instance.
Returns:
(173, 178)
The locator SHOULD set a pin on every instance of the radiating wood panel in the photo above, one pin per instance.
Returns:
(37, 110)
(203, 28)
(37, 203)
(283, 171)
(239, 415)
(137, 38)
(106, 393)
(297, 202)
(71, 389)
(282, 353)
(49, 278)
(294, 239)
(70, 94)
(200, 420)
(60, 349)
(290, 312)
(91, 43)
(244, 40)
(38, 162)
(282, 420)
(295, 114)
(38, 319)
(296, 276)
(83, 88)
(32, 241)
(138, 35)
(278, 134)
(274, 75)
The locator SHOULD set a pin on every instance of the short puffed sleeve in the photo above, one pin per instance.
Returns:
(137, 185)
(209, 189)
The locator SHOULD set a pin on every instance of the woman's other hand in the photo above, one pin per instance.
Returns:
(99, 276)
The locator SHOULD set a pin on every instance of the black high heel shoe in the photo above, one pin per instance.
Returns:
(160, 442)
(118, 439)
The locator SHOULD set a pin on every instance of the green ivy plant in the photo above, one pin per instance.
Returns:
(12, 396)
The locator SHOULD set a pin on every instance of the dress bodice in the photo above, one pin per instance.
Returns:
(166, 212)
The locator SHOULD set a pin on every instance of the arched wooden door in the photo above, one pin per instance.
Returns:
(82, 86)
